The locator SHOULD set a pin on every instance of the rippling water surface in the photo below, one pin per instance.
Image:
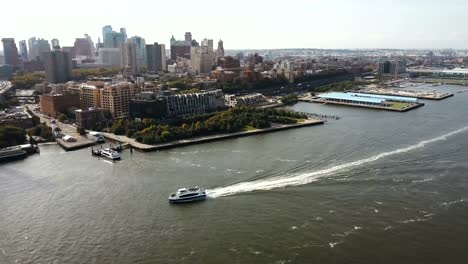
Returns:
(373, 187)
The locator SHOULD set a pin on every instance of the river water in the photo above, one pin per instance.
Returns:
(373, 187)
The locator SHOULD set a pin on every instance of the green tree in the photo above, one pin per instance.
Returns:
(166, 136)
(60, 117)
(11, 136)
(289, 99)
(27, 80)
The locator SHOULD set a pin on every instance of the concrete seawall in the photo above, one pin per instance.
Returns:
(206, 139)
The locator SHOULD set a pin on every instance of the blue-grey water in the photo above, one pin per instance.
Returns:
(373, 187)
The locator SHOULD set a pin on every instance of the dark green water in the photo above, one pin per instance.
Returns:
(374, 187)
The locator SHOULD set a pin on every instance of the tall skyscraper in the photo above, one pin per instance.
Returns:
(113, 39)
(219, 50)
(83, 47)
(91, 43)
(58, 65)
(181, 48)
(23, 50)
(188, 37)
(10, 51)
(55, 43)
(123, 31)
(156, 57)
(32, 45)
(130, 55)
(202, 57)
(141, 49)
(99, 44)
(106, 34)
(43, 46)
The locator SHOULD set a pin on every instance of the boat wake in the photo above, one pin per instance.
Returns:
(305, 178)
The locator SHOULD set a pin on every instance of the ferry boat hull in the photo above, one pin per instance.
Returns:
(188, 200)
(190, 195)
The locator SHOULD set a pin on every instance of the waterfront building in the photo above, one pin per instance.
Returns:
(152, 105)
(54, 103)
(194, 103)
(58, 66)
(202, 57)
(90, 96)
(148, 105)
(141, 49)
(156, 57)
(181, 48)
(232, 100)
(23, 50)
(110, 57)
(10, 51)
(116, 98)
(55, 43)
(91, 117)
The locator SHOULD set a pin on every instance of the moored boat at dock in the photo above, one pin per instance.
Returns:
(106, 153)
(17, 152)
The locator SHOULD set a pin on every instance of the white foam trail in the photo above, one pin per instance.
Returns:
(305, 178)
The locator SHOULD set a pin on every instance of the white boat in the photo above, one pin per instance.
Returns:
(110, 154)
(185, 195)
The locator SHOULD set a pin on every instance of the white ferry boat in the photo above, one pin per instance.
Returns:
(110, 154)
(185, 195)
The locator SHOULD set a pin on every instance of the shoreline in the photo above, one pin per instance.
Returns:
(200, 140)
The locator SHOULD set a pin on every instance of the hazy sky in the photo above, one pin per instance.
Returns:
(248, 23)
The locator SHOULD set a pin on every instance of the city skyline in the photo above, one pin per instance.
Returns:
(334, 24)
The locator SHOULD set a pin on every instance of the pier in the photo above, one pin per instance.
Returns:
(366, 100)
(427, 95)
(318, 101)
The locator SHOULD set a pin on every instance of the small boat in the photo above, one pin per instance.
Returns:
(185, 195)
(110, 154)
(12, 153)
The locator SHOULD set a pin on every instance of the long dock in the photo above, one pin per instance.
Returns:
(319, 101)
(206, 139)
(410, 94)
